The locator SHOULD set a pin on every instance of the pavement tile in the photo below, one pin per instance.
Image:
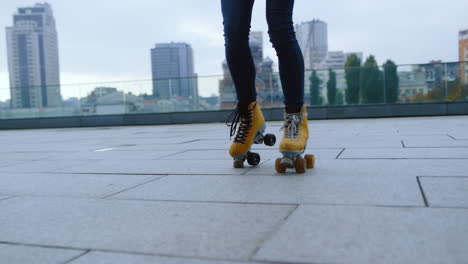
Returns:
(44, 166)
(370, 190)
(356, 234)
(406, 153)
(5, 162)
(324, 142)
(3, 197)
(446, 191)
(445, 143)
(374, 167)
(15, 254)
(156, 167)
(224, 155)
(228, 231)
(459, 135)
(119, 258)
(82, 185)
(360, 208)
(25, 156)
(114, 154)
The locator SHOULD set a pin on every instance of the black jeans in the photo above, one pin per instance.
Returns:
(237, 16)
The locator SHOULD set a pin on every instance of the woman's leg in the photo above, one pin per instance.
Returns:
(291, 61)
(237, 15)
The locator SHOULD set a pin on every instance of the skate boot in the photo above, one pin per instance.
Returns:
(247, 126)
(294, 142)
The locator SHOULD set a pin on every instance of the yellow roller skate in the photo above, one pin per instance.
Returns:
(248, 125)
(294, 143)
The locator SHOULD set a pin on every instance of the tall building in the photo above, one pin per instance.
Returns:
(463, 53)
(33, 59)
(173, 71)
(313, 40)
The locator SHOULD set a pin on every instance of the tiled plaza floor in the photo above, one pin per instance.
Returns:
(384, 191)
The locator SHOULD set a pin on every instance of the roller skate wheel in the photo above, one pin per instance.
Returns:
(300, 165)
(238, 164)
(269, 140)
(310, 160)
(253, 158)
(287, 163)
(279, 168)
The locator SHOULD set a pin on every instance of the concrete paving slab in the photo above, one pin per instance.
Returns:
(44, 147)
(5, 163)
(219, 167)
(229, 231)
(222, 214)
(353, 143)
(459, 135)
(405, 153)
(114, 154)
(71, 185)
(374, 167)
(356, 234)
(25, 156)
(446, 143)
(446, 191)
(364, 190)
(15, 254)
(3, 197)
(44, 166)
(224, 155)
(119, 258)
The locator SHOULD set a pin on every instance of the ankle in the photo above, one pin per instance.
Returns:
(244, 107)
(292, 109)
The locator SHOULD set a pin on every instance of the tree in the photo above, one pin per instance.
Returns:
(392, 82)
(456, 91)
(371, 82)
(352, 75)
(331, 87)
(315, 98)
(339, 98)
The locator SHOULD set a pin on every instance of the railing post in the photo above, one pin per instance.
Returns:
(445, 81)
(384, 85)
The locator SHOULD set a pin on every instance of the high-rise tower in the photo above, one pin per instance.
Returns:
(313, 40)
(173, 71)
(33, 59)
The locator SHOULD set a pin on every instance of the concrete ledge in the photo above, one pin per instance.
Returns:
(457, 108)
(274, 114)
(389, 110)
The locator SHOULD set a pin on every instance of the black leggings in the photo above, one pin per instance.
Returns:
(237, 16)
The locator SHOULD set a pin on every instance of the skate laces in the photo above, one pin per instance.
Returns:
(243, 121)
(292, 125)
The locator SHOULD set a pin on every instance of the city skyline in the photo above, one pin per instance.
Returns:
(88, 47)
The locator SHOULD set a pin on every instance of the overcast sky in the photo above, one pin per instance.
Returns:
(105, 40)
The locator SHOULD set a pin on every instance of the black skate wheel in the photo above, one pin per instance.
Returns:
(238, 164)
(269, 140)
(253, 158)
(278, 167)
(300, 165)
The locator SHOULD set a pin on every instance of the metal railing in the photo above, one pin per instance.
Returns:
(388, 84)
